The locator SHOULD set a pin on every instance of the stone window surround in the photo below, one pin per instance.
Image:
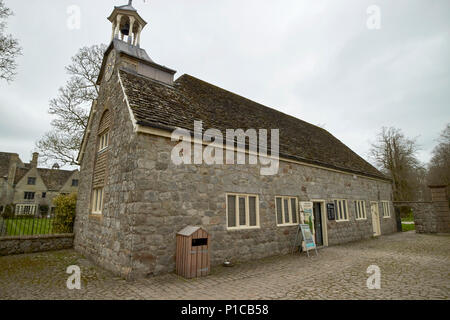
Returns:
(360, 216)
(246, 227)
(336, 201)
(385, 205)
(289, 198)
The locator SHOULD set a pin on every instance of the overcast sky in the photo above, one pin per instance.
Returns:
(316, 60)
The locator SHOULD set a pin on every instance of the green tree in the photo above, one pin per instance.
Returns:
(64, 213)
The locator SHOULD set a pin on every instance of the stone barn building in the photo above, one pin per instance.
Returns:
(133, 199)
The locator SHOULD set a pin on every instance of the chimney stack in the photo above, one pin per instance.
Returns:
(34, 161)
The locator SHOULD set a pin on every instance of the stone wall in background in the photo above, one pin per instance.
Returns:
(440, 199)
(32, 244)
(433, 216)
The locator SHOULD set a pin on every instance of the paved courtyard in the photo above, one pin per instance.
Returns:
(413, 266)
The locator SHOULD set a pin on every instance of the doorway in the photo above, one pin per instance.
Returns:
(320, 223)
(375, 218)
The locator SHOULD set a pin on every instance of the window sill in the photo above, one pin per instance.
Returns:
(243, 228)
(343, 220)
(288, 225)
(361, 219)
(386, 217)
(96, 216)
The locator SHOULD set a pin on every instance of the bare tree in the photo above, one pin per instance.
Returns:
(9, 47)
(439, 166)
(71, 107)
(395, 155)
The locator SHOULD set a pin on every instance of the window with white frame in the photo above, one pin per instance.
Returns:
(242, 211)
(386, 209)
(360, 209)
(103, 141)
(97, 201)
(341, 210)
(25, 209)
(286, 210)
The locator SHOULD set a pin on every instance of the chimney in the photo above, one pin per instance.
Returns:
(34, 161)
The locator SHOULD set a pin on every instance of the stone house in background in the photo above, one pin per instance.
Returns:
(133, 199)
(28, 187)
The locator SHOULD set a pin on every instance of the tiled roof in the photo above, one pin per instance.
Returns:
(162, 106)
(20, 173)
(54, 179)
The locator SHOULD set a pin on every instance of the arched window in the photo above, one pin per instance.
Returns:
(101, 163)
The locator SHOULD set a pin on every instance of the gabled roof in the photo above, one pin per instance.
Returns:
(20, 173)
(53, 179)
(158, 105)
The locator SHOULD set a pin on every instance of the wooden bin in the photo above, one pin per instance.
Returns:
(192, 256)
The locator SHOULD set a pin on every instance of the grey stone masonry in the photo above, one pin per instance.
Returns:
(148, 199)
(440, 198)
(32, 244)
(430, 217)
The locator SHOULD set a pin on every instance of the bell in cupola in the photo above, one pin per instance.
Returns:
(125, 29)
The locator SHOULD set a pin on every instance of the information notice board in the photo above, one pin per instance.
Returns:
(307, 237)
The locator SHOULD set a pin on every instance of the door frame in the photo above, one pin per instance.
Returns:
(378, 223)
(324, 220)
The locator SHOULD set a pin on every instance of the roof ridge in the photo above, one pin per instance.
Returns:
(248, 99)
(191, 98)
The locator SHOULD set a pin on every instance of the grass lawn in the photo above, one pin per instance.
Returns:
(408, 227)
(27, 227)
(408, 218)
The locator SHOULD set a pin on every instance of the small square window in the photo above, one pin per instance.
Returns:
(75, 183)
(44, 195)
(31, 181)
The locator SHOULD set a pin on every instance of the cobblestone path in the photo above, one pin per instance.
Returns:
(413, 266)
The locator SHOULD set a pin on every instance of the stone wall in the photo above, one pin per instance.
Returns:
(430, 217)
(166, 198)
(440, 199)
(106, 238)
(424, 216)
(31, 244)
